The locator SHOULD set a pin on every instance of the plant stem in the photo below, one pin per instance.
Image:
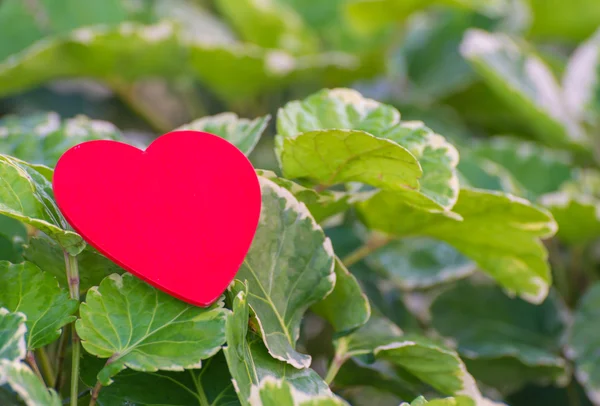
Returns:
(31, 361)
(95, 393)
(72, 269)
(374, 242)
(47, 370)
(334, 368)
(60, 358)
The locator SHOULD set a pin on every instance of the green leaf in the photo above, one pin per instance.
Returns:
(489, 328)
(93, 266)
(26, 195)
(582, 343)
(458, 401)
(250, 363)
(576, 208)
(241, 132)
(43, 138)
(12, 335)
(27, 385)
(346, 307)
(131, 51)
(500, 232)
(140, 327)
(279, 392)
(574, 20)
(329, 157)
(419, 263)
(270, 24)
(25, 288)
(526, 85)
(481, 173)
(322, 205)
(581, 81)
(289, 268)
(13, 234)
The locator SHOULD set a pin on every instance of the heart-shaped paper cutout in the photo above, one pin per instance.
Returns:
(180, 215)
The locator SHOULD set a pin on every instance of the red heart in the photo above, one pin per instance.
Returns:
(180, 215)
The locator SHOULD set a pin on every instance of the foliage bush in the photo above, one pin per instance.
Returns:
(438, 246)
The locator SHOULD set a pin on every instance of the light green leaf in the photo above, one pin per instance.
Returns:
(12, 335)
(418, 263)
(582, 343)
(458, 401)
(43, 138)
(250, 363)
(279, 392)
(576, 208)
(289, 268)
(25, 288)
(93, 266)
(26, 195)
(489, 328)
(140, 327)
(526, 85)
(346, 307)
(574, 20)
(329, 157)
(270, 24)
(133, 51)
(241, 132)
(581, 81)
(27, 385)
(500, 232)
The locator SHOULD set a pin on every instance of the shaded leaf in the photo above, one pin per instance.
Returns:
(12, 335)
(241, 132)
(288, 268)
(500, 232)
(27, 385)
(26, 195)
(279, 392)
(140, 327)
(482, 173)
(13, 235)
(25, 288)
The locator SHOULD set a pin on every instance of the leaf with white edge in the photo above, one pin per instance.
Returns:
(288, 268)
(43, 138)
(279, 392)
(582, 343)
(457, 401)
(489, 328)
(93, 266)
(250, 363)
(323, 204)
(12, 335)
(25, 288)
(241, 132)
(581, 81)
(131, 51)
(376, 332)
(499, 232)
(481, 173)
(26, 195)
(270, 24)
(27, 385)
(526, 85)
(576, 208)
(142, 328)
(537, 169)
(300, 126)
(419, 263)
(346, 307)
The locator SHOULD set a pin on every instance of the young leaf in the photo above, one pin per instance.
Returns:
(346, 307)
(457, 401)
(26, 195)
(43, 138)
(289, 267)
(250, 363)
(241, 132)
(476, 318)
(419, 263)
(25, 288)
(279, 392)
(582, 347)
(12, 335)
(27, 385)
(500, 232)
(137, 326)
(526, 85)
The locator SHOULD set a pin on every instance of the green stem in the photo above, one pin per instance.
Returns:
(72, 269)
(559, 270)
(334, 368)
(60, 358)
(30, 358)
(95, 393)
(373, 244)
(46, 365)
